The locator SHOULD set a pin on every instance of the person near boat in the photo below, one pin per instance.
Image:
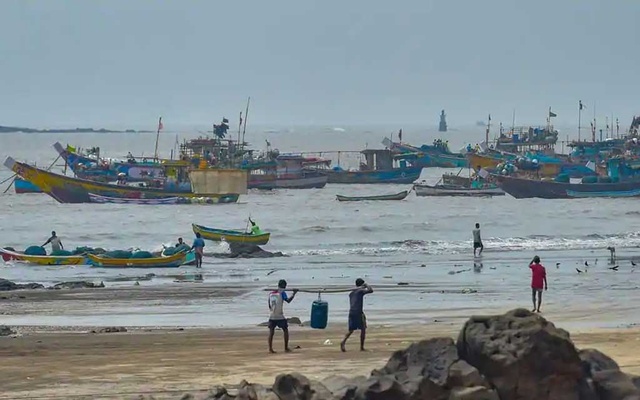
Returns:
(255, 229)
(198, 246)
(357, 319)
(56, 243)
(180, 242)
(538, 282)
(277, 298)
(477, 241)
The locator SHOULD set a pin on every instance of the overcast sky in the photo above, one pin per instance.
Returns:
(124, 62)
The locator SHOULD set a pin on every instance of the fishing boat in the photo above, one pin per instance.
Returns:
(378, 166)
(94, 198)
(231, 236)
(43, 260)
(425, 190)
(190, 257)
(172, 261)
(523, 188)
(436, 155)
(398, 196)
(295, 171)
(22, 186)
(66, 189)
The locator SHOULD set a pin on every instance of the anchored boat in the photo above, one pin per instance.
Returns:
(231, 236)
(172, 261)
(398, 196)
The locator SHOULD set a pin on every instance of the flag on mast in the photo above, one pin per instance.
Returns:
(160, 126)
(400, 135)
(552, 114)
(581, 105)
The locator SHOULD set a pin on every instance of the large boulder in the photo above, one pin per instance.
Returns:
(7, 285)
(248, 250)
(609, 382)
(341, 387)
(423, 368)
(524, 357)
(380, 388)
(298, 387)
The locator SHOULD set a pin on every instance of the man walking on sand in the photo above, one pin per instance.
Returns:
(477, 241)
(276, 316)
(357, 319)
(538, 282)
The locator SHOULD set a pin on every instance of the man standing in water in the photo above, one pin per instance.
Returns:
(477, 241)
(56, 243)
(357, 319)
(198, 246)
(538, 282)
(276, 315)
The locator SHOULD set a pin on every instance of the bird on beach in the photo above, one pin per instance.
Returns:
(578, 271)
(614, 268)
(632, 263)
(557, 265)
(586, 263)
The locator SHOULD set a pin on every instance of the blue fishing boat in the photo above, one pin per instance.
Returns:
(436, 155)
(379, 166)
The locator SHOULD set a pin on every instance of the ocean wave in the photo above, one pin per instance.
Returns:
(436, 247)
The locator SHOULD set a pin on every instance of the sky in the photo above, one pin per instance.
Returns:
(120, 63)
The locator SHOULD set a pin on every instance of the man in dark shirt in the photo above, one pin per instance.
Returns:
(357, 319)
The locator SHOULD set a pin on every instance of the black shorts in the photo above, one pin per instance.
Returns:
(357, 321)
(278, 323)
(477, 245)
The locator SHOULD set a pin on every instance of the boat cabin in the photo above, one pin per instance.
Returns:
(522, 139)
(385, 159)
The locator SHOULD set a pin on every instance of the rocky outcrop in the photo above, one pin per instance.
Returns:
(247, 250)
(7, 285)
(6, 331)
(515, 356)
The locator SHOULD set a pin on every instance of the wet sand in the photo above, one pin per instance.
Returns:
(80, 364)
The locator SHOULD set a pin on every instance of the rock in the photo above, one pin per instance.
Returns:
(635, 380)
(113, 329)
(77, 285)
(294, 321)
(473, 393)
(249, 391)
(7, 285)
(187, 396)
(6, 331)
(463, 375)
(423, 368)
(613, 384)
(524, 357)
(594, 361)
(341, 387)
(297, 387)
(380, 388)
(248, 250)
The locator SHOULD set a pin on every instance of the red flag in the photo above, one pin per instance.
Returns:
(160, 126)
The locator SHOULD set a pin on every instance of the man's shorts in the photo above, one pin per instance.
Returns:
(477, 245)
(357, 322)
(278, 323)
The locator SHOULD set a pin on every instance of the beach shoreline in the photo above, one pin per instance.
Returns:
(166, 362)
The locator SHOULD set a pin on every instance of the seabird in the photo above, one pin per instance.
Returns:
(557, 265)
(632, 263)
(586, 263)
(578, 271)
(614, 268)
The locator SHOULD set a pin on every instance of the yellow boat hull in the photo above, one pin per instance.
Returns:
(173, 261)
(229, 236)
(44, 260)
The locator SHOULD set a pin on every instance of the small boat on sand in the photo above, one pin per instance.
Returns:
(230, 235)
(42, 260)
(398, 196)
(172, 261)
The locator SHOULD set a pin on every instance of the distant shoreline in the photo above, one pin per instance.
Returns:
(15, 129)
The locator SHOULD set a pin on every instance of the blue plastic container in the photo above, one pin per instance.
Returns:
(319, 314)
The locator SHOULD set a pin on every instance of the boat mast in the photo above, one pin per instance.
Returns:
(246, 116)
(486, 135)
(155, 154)
(579, 118)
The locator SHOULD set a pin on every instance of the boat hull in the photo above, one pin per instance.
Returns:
(65, 189)
(311, 182)
(22, 186)
(43, 260)
(398, 196)
(172, 261)
(230, 236)
(521, 188)
(445, 190)
(400, 175)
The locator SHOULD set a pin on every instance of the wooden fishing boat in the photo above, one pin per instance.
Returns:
(623, 193)
(522, 188)
(230, 236)
(424, 190)
(66, 189)
(22, 186)
(43, 260)
(172, 261)
(115, 200)
(398, 196)
(190, 257)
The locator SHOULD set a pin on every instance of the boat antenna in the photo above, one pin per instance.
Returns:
(246, 116)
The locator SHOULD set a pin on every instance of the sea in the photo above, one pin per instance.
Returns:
(417, 252)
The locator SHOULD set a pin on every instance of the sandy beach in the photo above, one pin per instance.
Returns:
(73, 362)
